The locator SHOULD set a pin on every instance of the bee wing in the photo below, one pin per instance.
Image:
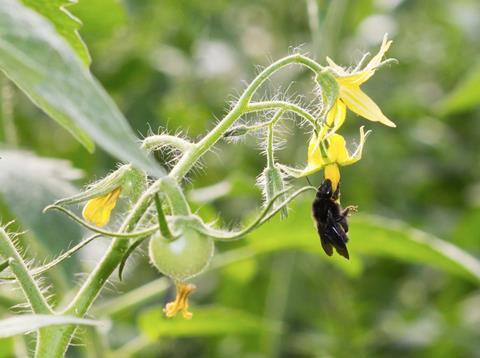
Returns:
(327, 246)
(341, 249)
(337, 236)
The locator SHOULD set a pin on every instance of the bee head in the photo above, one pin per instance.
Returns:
(325, 189)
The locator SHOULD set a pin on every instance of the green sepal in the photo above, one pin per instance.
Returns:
(236, 131)
(134, 183)
(101, 187)
(329, 90)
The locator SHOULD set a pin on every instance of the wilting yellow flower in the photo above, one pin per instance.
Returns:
(98, 210)
(181, 301)
(332, 156)
(350, 95)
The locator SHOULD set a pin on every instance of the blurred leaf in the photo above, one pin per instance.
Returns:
(28, 184)
(385, 237)
(242, 271)
(30, 322)
(370, 236)
(466, 95)
(6, 348)
(65, 23)
(99, 18)
(48, 71)
(206, 321)
(467, 231)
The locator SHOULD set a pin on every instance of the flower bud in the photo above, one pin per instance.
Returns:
(100, 188)
(102, 196)
(236, 131)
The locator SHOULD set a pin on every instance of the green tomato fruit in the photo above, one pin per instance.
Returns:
(184, 257)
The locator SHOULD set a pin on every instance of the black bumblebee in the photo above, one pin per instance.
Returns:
(331, 219)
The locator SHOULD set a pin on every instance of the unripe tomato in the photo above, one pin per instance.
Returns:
(184, 257)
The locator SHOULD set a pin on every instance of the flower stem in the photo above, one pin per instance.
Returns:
(55, 345)
(285, 106)
(243, 106)
(270, 151)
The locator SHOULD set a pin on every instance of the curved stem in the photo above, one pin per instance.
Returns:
(264, 216)
(93, 228)
(57, 343)
(274, 67)
(243, 106)
(67, 254)
(176, 200)
(155, 142)
(283, 105)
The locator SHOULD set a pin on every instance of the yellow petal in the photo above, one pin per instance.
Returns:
(377, 59)
(356, 79)
(181, 301)
(357, 101)
(314, 156)
(364, 75)
(336, 116)
(337, 149)
(315, 160)
(332, 172)
(308, 170)
(98, 210)
(357, 155)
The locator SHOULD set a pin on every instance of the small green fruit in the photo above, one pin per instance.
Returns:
(184, 257)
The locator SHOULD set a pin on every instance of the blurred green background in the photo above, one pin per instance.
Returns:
(176, 65)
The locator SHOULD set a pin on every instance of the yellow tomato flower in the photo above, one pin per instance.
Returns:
(350, 95)
(330, 158)
(98, 210)
(335, 118)
(181, 301)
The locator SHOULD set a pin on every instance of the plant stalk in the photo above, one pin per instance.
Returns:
(56, 342)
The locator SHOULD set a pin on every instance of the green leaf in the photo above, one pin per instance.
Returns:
(42, 64)
(65, 23)
(466, 95)
(100, 18)
(206, 321)
(6, 348)
(369, 235)
(31, 322)
(28, 184)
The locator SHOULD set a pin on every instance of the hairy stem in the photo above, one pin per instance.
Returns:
(25, 279)
(32, 292)
(55, 345)
(270, 151)
(281, 105)
(243, 106)
(156, 142)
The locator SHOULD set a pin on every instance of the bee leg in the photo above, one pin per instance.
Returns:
(349, 209)
(342, 218)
